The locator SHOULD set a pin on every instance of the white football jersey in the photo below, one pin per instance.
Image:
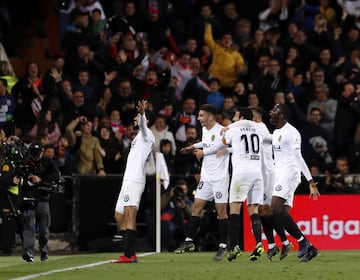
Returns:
(141, 147)
(267, 152)
(285, 141)
(246, 138)
(213, 167)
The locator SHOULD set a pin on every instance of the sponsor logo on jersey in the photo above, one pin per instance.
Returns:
(279, 138)
(212, 137)
(126, 198)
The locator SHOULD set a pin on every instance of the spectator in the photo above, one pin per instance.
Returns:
(152, 88)
(273, 15)
(318, 143)
(197, 86)
(88, 157)
(253, 100)
(46, 125)
(124, 98)
(175, 213)
(187, 164)
(165, 149)
(242, 33)
(52, 80)
(197, 26)
(111, 151)
(240, 94)
(327, 107)
(227, 63)
(7, 73)
(117, 126)
(28, 93)
(215, 97)
(63, 156)
(229, 18)
(98, 23)
(74, 108)
(268, 85)
(160, 131)
(346, 119)
(185, 116)
(229, 107)
(7, 109)
(89, 88)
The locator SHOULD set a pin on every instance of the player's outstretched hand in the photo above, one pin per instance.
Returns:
(141, 106)
(187, 150)
(314, 192)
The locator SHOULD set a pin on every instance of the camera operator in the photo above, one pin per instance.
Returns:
(340, 180)
(175, 213)
(40, 178)
(9, 201)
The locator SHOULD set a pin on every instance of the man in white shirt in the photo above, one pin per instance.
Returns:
(246, 139)
(133, 184)
(289, 164)
(214, 182)
(265, 209)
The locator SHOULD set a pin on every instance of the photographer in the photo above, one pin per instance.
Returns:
(340, 180)
(175, 213)
(9, 200)
(40, 177)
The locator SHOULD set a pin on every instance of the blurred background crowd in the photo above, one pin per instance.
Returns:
(107, 55)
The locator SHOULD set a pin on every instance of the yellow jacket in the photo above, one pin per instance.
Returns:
(227, 63)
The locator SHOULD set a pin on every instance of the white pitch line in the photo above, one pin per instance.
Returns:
(71, 268)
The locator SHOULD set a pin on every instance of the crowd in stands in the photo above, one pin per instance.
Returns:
(179, 55)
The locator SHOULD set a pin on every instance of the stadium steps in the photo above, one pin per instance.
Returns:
(31, 48)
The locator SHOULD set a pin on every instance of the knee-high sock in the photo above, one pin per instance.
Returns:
(224, 230)
(278, 228)
(289, 224)
(193, 227)
(256, 227)
(235, 227)
(268, 229)
(130, 236)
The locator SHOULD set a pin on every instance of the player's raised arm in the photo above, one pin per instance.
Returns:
(142, 121)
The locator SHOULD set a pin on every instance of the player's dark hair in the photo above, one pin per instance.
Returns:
(209, 108)
(246, 113)
(284, 110)
(257, 110)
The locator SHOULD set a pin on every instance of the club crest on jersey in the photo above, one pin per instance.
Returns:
(218, 195)
(278, 188)
(212, 137)
(279, 138)
(126, 198)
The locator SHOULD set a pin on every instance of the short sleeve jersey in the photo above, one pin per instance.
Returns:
(213, 167)
(285, 141)
(246, 139)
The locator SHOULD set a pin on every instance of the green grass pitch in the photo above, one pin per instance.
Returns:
(198, 265)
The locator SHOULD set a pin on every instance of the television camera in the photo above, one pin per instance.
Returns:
(19, 155)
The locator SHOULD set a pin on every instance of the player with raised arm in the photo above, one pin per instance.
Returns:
(214, 182)
(133, 184)
(289, 164)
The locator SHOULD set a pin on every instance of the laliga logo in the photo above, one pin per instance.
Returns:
(335, 229)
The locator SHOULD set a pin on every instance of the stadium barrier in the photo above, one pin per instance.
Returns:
(86, 212)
